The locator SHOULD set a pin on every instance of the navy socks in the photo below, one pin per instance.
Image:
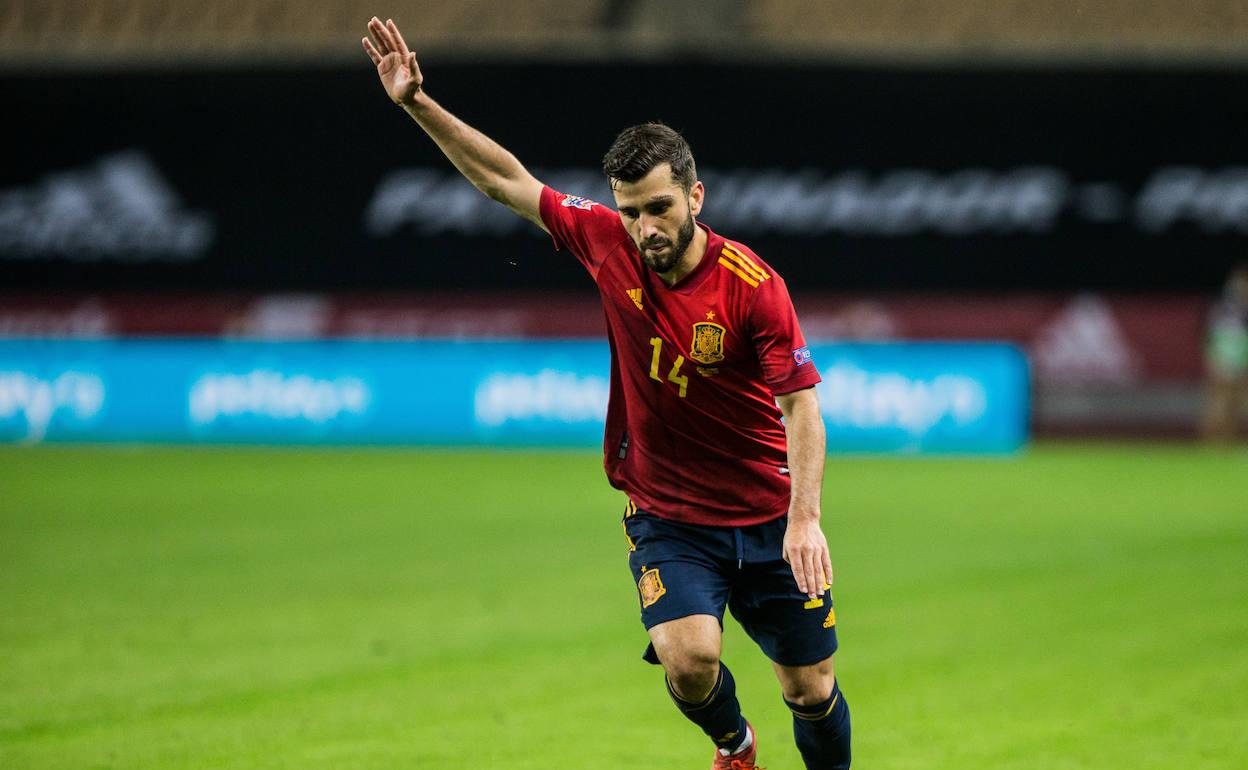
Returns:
(718, 714)
(822, 732)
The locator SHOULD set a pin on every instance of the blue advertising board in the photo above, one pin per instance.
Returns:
(875, 397)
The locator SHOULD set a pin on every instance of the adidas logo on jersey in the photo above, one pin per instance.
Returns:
(635, 296)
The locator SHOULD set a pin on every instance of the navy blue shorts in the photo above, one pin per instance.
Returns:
(687, 569)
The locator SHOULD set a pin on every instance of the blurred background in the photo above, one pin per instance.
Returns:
(1014, 233)
(1064, 176)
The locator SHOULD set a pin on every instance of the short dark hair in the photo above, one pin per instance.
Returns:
(638, 149)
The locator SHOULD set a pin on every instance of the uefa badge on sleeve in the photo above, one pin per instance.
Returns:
(577, 202)
(801, 356)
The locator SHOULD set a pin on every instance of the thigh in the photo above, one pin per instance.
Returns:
(792, 630)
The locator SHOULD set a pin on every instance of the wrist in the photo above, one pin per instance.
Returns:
(804, 515)
(417, 102)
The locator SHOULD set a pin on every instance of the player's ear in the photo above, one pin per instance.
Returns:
(696, 195)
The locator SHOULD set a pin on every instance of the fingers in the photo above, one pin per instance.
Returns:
(799, 576)
(812, 570)
(814, 585)
(397, 37)
(807, 555)
(803, 571)
(371, 51)
(381, 36)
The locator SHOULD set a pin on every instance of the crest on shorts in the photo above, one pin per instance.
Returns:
(708, 343)
(650, 587)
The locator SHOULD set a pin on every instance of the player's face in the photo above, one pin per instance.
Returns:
(659, 215)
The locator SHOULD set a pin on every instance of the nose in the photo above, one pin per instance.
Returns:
(649, 227)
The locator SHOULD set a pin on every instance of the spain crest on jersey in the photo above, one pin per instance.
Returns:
(708, 343)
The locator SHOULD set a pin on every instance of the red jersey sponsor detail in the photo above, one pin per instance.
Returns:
(693, 431)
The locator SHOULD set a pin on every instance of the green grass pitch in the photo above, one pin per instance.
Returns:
(1072, 607)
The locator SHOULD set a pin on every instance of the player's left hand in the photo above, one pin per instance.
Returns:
(806, 551)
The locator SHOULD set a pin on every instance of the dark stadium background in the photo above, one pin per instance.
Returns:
(1107, 197)
(285, 160)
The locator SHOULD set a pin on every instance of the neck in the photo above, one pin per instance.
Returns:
(691, 258)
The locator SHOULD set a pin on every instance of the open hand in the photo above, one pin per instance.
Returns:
(396, 66)
(806, 551)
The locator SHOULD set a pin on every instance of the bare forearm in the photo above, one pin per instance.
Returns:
(491, 168)
(807, 449)
(805, 546)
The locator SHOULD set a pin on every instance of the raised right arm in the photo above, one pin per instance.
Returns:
(491, 169)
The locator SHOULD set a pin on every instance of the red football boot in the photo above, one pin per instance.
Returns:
(741, 761)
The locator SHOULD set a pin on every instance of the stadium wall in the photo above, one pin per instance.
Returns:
(1108, 364)
(1085, 214)
(843, 178)
(874, 397)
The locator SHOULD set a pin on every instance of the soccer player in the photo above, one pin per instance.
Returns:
(1226, 359)
(723, 497)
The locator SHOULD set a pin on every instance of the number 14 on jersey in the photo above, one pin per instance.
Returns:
(674, 375)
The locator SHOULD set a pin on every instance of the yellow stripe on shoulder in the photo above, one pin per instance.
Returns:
(745, 277)
(755, 274)
(745, 261)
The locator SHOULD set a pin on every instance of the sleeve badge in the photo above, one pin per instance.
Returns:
(577, 202)
(801, 356)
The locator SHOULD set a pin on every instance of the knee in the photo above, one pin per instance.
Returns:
(808, 685)
(809, 693)
(691, 671)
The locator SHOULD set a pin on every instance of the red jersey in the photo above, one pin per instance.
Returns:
(693, 431)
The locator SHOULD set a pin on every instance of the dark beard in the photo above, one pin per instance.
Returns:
(664, 263)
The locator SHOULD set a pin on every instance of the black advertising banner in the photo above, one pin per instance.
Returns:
(842, 178)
